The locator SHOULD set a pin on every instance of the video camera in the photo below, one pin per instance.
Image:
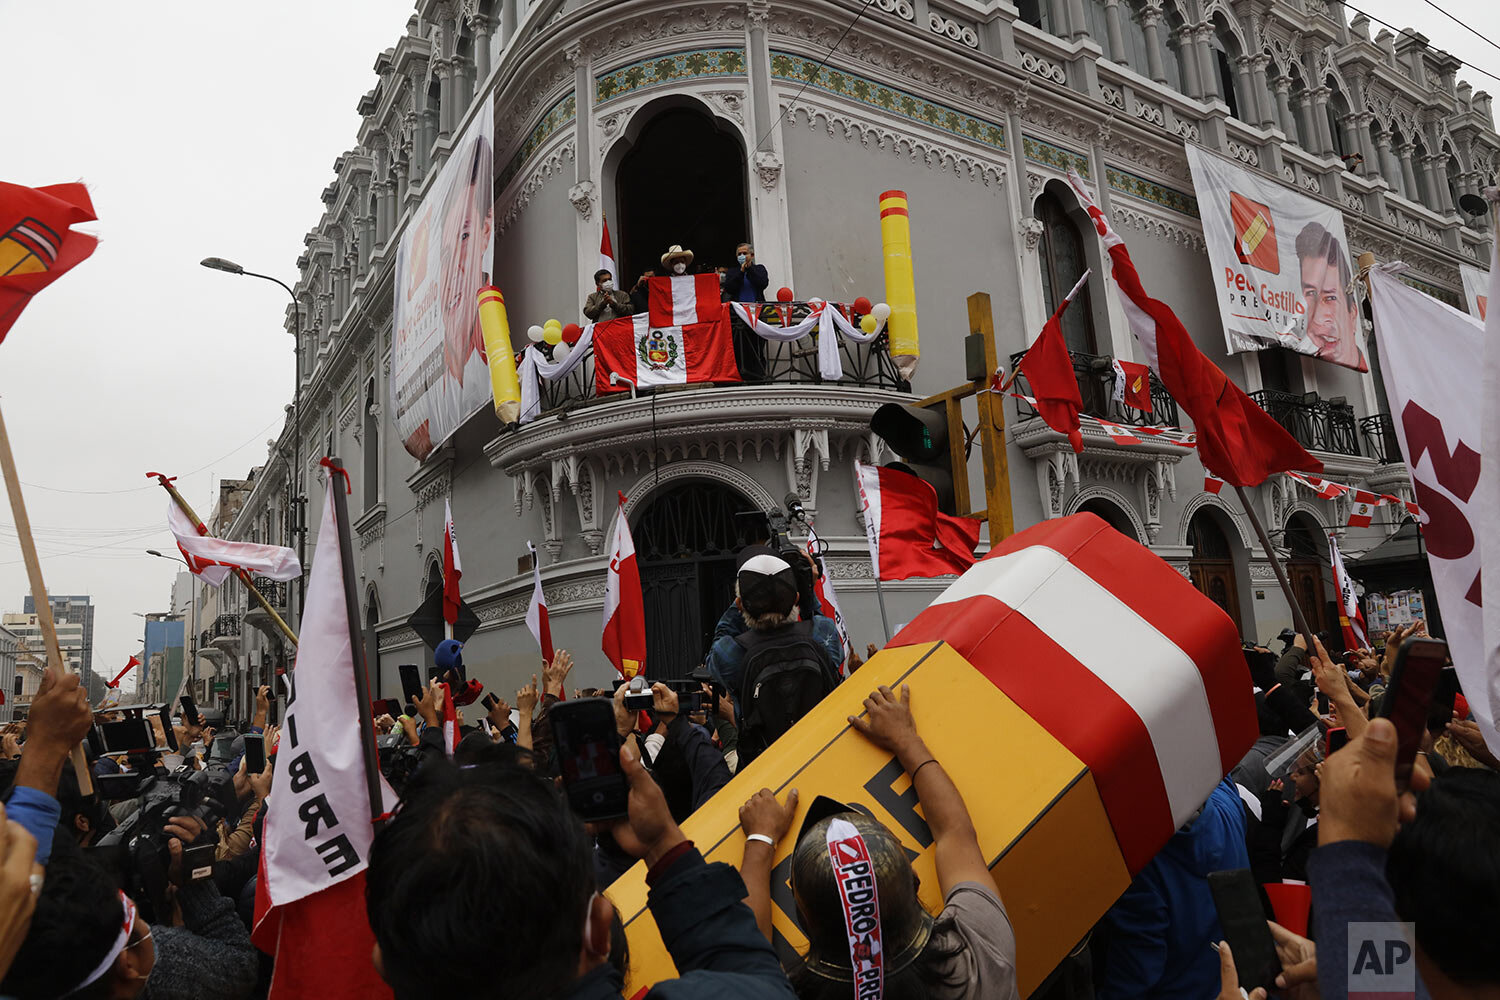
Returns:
(780, 523)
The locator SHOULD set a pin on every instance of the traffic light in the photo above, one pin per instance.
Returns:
(927, 445)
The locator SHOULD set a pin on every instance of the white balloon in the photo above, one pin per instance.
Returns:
(534, 334)
(881, 311)
(560, 353)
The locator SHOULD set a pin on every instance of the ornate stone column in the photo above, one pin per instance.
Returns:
(1320, 121)
(1390, 169)
(1208, 65)
(1437, 172)
(1285, 119)
(1408, 174)
(444, 72)
(1187, 56)
(1352, 144)
(481, 28)
(1151, 27)
(1115, 31)
(1249, 96)
(1263, 103)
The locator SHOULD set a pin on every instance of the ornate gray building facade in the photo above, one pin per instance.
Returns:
(724, 120)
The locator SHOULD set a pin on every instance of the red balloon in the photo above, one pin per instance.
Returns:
(783, 294)
(862, 306)
(571, 333)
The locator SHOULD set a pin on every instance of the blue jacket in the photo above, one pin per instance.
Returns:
(1158, 933)
(726, 658)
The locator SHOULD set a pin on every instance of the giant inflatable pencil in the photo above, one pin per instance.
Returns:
(900, 283)
(1081, 694)
(495, 326)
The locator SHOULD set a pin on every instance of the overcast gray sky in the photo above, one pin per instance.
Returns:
(206, 130)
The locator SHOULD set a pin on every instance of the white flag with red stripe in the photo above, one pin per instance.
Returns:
(607, 254)
(624, 641)
(1351, 618)
(1117, 434)
(213, 559)
(1321, 487)
(683, 299)
(536, 612)
(453, 568)
(450, 722)
(1153, 695)
(823, 588)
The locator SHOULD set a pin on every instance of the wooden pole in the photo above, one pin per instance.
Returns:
(992, 427)
(39, 589)
(260, 598)
(1299, 620)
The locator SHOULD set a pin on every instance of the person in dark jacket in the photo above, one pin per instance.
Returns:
(746, 281)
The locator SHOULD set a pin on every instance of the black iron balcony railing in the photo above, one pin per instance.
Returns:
(274, 591)
(761, 362)
(1380, 438)
(1096, 385)
(205, 637)
(1319, 424)
(226, 626)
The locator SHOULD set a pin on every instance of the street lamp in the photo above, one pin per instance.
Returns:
(299, 525)
(193, 620)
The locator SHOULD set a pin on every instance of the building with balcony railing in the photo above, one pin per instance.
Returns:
(710, 122)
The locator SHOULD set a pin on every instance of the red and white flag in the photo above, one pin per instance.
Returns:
(1362, 511)
(908, 535)
(536, 612)
(823, 588)
(1321, 487)
(453, 567)
(1133, 385)
(1117, 434)
(213, 559)
(1048, 368)
(1351, 618)
(624, 606)
(450, 722)
(648, 355)
(683, 299)
(1153, 696)
(1439, 398)
(607, 254)
(37, 242)
(1237, 439)
(310, 900)
(1212, 483)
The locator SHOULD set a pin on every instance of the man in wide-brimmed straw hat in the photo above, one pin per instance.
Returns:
(676, 260)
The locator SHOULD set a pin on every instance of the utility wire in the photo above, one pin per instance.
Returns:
(1403, 31)
(1484, 38)
(818, 69)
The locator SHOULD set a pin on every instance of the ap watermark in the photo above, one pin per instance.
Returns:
(1382, 961)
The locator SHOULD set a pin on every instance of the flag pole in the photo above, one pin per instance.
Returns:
(356, 642)
(286, 630)
(1299, 620)
(39, 590)
(885, 622)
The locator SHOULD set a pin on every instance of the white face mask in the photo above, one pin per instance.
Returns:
(742, 258)
(606, 285)
(679, 268)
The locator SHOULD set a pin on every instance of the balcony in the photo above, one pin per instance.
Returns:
(1381, 443)
(1326, 425)
(275, 592)
(226, 634)
(1096, 385)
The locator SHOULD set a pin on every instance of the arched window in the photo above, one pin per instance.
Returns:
(1063, 263)
(1450, 175)
(1037, 14)
(1225, 50)
(1112, 515)
(1337, 110)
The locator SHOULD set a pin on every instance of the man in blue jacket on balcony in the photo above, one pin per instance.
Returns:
(746, 282)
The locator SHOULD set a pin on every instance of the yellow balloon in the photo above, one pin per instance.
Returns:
(552, 334)
(868, 323)
(552, 324)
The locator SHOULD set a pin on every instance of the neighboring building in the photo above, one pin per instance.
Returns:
(707, 122)
(163, 658)
(78, 610)
(10, 681)
(31, 663)
(70, 635)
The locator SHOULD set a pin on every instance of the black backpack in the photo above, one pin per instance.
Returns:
(787, 672)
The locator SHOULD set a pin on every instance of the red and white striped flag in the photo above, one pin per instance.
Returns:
(908, 535)
(624, 642)
(607, 254)
(213, 559)
(683, 299)
(1212, 483)
(1363, 509)
(536, 611)
(648, 355)
(453, 567)
(1153, 696)
(450, 721)
(1117, 434)
(1048, 368)
(1322, 487)
(1351, 618)
(823, 588)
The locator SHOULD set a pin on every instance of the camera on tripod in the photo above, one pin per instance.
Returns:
(780, 524)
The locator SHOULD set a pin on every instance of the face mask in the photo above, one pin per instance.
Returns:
(742, 258)
(606, 285)
(679, 269)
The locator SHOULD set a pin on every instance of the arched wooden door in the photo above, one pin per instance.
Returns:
(1212, 565)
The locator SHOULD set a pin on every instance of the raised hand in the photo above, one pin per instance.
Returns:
(555, 674)
(526, 699)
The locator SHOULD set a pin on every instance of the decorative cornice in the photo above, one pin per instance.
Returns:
(914, 147)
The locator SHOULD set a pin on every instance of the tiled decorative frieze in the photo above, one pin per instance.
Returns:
(1052, 155)
(1147, 190)
(675, 68)
(560, 114)
(797, 69)
(1441, 294)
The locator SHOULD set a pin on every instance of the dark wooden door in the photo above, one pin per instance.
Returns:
(1306, 577)
(1215, 578)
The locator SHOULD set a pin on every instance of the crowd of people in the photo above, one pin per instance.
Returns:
(485, 882)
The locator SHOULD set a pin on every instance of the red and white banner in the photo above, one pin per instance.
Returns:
(1429, 356)
(859, 897)
(1280, 262)
(439, 373)
(1212, 483)
(1133, 385)
(1362, 511)
(450, 721)
(1153, 696)
(537, 622)
(213, 559)
(453, 567)
(624, 642)
(823, 588)
(310, 900)
(1117, 434)
(1322, 487)
(607, 254)
(683, 299)
(1351, 619)
(908, 535)
(647, 355)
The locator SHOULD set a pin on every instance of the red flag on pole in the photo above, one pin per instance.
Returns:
(452, 567)
(36, 244)
(1133, 385)
(536, 611)
(450, 722)
(1351, 618)
(624, 606)
(908, 535)
(1048, 368)
(607, 254)
(1237, 440)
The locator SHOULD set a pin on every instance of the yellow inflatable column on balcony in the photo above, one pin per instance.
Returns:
(900, 282)
(495, 326)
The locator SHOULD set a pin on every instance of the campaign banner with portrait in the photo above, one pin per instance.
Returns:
(1281, 264)
(1476, 290)
(439, 374)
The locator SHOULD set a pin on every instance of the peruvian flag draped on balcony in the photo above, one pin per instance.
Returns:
(1237, 440)
(643, 354)
(1048, 368)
